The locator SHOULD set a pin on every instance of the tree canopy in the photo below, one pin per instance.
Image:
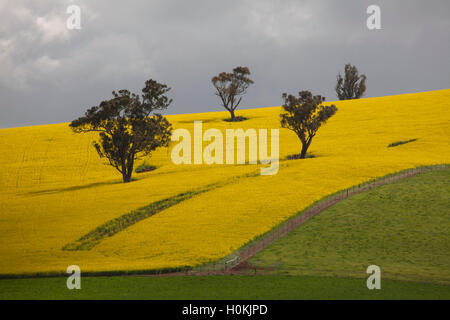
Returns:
(127, 130)
(352, 85)
(305, 115)
(230, 87)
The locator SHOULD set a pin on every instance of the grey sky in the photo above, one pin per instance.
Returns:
(51, 74)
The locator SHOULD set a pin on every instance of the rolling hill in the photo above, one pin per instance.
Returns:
(55, 190)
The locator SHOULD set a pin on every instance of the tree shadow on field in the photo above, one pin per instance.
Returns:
(75, 188)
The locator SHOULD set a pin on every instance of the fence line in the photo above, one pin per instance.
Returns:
(247, 252)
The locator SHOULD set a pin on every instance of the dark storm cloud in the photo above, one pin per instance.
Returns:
(52, 74)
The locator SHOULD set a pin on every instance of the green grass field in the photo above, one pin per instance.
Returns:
(218, 287)
(402, 227)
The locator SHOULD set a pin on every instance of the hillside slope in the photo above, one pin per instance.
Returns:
(54, 189)
(401, 227)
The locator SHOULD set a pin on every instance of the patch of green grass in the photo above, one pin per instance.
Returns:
(217, 287)
(397, 143)
(401, 227)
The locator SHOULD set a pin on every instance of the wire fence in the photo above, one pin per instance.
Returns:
(238, 257)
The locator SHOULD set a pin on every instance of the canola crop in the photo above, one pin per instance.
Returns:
(54, 189)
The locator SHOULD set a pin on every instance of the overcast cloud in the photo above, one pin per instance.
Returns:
(51, 74)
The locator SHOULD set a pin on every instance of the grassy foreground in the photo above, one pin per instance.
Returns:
(217, 287)
(402, 227)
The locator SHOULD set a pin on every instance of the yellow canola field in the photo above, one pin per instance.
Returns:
(54, 188)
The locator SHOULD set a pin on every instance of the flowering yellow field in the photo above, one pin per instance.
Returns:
(54, 188)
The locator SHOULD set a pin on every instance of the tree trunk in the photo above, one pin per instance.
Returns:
(127, 171)
(233, 117)
(126, 176)
(304, 149)
(305, 146)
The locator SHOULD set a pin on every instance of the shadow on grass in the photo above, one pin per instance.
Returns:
(75, 188)
(237, 119)
(297, 156)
